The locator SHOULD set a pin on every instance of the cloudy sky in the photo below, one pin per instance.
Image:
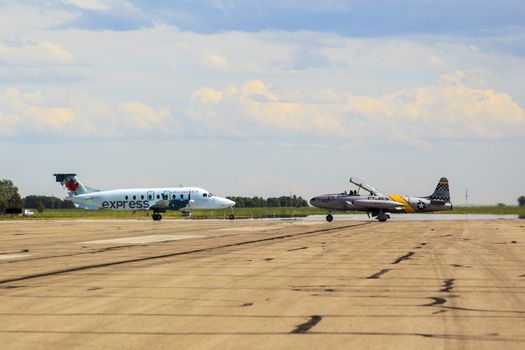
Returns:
(265, 97)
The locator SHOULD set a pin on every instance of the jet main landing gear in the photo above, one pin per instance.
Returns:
(329, 217)
(156, 217)
(382, 217)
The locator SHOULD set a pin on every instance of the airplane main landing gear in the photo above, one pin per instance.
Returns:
(156, 217)
(329, 217)
(382, 217)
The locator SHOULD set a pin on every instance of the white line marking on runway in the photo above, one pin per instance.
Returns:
(142, 239)
(12, 256)
(247, 228)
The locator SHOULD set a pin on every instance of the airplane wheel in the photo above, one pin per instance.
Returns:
(381, 220)
(329, 217)
(231, 217)
(156, 217)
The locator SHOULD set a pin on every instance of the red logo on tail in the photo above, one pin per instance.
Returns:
(71, 186)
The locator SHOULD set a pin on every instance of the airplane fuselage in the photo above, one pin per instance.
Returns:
(160, 199)
(389, 203)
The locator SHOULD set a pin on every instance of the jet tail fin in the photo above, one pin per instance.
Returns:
(442, 192)
(72, 186)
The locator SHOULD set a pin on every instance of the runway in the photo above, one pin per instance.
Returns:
(262, 284)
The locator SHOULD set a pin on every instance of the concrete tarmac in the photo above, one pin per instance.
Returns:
(262, 284)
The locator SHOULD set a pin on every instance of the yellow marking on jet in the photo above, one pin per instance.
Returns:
(406, 206)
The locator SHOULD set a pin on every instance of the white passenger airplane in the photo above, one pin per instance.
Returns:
(159, 200)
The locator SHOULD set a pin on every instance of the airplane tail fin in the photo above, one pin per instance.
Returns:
(442, 192)
(72, 186)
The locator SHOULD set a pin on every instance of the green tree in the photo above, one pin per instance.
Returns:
(521, 201)
(9, 196)
(40, 207)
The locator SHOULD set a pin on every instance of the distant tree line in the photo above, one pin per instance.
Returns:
(10, 198)
(521, 201)
(273, 202)
(47, 202)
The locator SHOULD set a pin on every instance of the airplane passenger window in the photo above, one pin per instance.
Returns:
(134, 197)
(181, 196)
(126, 197)
(142, 197)
(149, 196)
(158, 196)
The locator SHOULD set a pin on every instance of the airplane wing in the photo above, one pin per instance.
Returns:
(160, 204)
(172, 204)
(365, 186)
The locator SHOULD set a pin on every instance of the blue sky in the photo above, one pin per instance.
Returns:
(265, 97)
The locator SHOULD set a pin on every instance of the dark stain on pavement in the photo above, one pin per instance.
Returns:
(404, 257)
(305, 327)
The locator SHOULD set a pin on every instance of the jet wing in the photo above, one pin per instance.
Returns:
(377, 204)
(365, 186)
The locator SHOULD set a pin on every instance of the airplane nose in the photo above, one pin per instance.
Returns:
(313, 200)
(227, 203)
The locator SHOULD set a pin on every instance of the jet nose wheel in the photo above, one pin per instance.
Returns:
(329, 217)
(231, 217)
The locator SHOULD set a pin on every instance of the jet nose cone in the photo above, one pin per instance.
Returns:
(313, 201)
(230, 202)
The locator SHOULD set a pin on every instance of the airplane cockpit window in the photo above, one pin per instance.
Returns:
(205, 195)
(210, 195)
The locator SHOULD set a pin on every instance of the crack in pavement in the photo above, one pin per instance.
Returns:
(404, 257)
(437, 301)
(305, 327)
(378, 274)
(448, 285)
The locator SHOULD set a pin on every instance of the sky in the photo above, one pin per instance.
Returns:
(265, 98)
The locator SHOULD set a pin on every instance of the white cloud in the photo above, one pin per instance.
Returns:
(215, 61)
(208, 95)
(35, 53)
(88, 4)
(21, 20)
(415, 117)
(69, 114)
(143, 117)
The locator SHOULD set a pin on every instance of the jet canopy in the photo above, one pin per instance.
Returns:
(361, 184)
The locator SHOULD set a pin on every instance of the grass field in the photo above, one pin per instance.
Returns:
(240, 213)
